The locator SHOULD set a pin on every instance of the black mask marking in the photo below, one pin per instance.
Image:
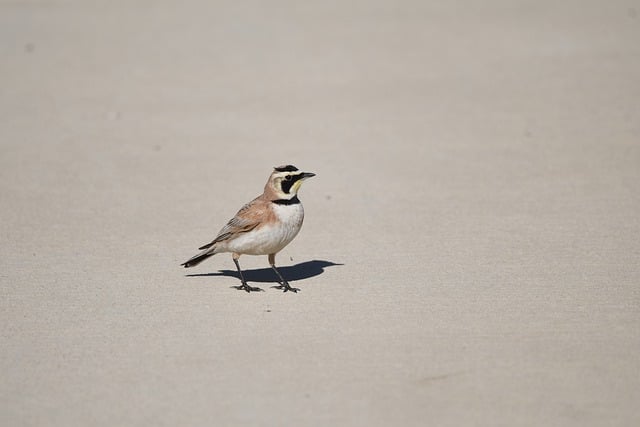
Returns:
(286, 184)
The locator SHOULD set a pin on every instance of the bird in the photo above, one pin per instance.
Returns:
(264, 226)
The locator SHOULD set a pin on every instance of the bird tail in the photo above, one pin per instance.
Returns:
(197, 259)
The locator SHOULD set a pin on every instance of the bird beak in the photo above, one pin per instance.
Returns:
(306, 175)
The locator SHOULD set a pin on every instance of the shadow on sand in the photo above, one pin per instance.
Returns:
(291, 273)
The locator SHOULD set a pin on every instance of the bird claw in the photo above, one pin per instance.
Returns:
(286, 288)
(245, 287)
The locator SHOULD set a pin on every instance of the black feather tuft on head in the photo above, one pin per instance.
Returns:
(287, 168)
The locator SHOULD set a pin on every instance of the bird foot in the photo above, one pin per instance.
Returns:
(245, 287)
(286, 288)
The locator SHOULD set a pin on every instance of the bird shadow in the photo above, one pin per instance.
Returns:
(301, 271)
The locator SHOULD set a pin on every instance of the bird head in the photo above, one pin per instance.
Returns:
(285, 181)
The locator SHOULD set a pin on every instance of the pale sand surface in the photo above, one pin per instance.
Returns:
(478, 181)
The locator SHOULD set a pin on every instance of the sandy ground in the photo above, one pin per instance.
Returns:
(471, 250)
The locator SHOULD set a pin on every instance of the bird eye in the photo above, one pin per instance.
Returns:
(287, 178)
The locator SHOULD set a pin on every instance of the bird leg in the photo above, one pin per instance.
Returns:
(283, 283)
(244, 285)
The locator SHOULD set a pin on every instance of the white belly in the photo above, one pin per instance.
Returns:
(270, 239)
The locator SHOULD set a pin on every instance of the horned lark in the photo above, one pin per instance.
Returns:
(263, 226)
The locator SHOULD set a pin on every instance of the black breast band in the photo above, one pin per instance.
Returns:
(293, 201)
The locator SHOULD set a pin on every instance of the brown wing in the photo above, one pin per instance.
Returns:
(248, 217)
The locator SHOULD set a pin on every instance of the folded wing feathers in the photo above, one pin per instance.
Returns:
(241, 223)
